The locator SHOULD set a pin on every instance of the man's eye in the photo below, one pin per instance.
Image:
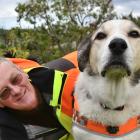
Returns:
(5, 93)
(17, 79)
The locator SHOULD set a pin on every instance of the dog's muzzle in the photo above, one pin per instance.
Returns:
(116, 66)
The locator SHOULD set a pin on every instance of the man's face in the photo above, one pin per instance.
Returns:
(16, 91)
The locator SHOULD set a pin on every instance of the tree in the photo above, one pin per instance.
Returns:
(135, 19)
(64, 22)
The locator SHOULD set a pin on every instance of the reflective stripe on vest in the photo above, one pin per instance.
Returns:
(64, 119)
(67, 137)
(58, 77)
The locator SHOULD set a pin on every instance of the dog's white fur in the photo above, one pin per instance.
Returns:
(92, 88)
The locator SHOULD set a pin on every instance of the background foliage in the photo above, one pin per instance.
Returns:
(58, 26)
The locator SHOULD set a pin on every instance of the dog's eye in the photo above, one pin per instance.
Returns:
(100, 36)
(134, 34)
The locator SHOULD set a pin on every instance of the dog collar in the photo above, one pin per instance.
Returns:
(91, 125)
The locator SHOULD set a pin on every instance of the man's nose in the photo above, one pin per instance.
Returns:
(14, 89)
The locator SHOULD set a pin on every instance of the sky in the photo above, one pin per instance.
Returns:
(126, 6)
(8, 16)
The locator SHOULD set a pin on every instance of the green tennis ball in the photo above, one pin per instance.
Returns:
(116, 73)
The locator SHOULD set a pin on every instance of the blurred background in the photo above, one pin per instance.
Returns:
(43, 30)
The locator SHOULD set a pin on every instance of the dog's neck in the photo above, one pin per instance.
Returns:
(115, 93)
(92, 91)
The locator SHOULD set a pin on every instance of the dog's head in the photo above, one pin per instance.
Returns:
(113, 49)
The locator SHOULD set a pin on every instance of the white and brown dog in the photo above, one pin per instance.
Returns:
(108, 88)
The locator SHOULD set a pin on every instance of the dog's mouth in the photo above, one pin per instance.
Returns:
(116, 69)
(105, 107)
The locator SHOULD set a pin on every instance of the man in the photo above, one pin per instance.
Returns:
(37, 97)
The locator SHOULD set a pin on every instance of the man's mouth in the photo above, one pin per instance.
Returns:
(20, 97)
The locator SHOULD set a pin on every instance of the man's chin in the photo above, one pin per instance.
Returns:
(26, 105)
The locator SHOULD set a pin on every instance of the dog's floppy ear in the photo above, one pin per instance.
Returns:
(83, 52)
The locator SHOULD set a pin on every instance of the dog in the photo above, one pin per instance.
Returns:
(107, 91)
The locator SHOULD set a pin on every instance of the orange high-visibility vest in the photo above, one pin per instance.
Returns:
(66, 103)
(67, 97)
(24, 63)
(28, 65)
(64, 110)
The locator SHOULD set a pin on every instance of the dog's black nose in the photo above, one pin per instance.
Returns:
(117, 46)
